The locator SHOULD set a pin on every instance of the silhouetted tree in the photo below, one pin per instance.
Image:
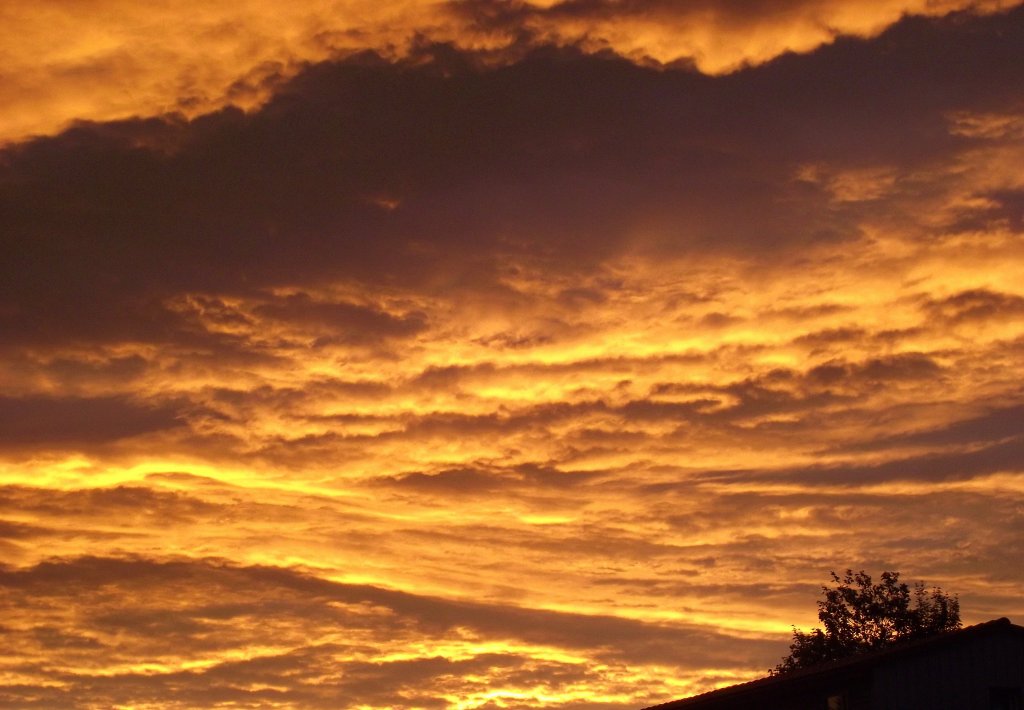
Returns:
(859, 616)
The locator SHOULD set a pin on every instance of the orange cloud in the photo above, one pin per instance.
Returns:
(110, 59)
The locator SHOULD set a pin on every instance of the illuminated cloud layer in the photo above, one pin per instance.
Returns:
(110, 59)
(511, 365)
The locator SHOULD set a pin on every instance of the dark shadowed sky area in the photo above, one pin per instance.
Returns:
(476, 354)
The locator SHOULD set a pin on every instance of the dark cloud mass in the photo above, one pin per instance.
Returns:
(74, 420)
(433, 171)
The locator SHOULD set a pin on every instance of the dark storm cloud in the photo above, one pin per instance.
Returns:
(975, 305)
(905, 366)
(496, 14)
(59, 421)
(71, 373)
(417, 174)
(823, 339)
(998, 424)
(928, 468)
(18, 531)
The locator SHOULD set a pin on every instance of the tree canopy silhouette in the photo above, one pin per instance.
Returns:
(860, 616)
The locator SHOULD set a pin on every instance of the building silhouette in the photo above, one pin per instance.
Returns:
(977, 668)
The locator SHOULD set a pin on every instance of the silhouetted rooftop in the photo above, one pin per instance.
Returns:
(842, 667)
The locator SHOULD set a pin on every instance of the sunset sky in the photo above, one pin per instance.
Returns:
(495, 353)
